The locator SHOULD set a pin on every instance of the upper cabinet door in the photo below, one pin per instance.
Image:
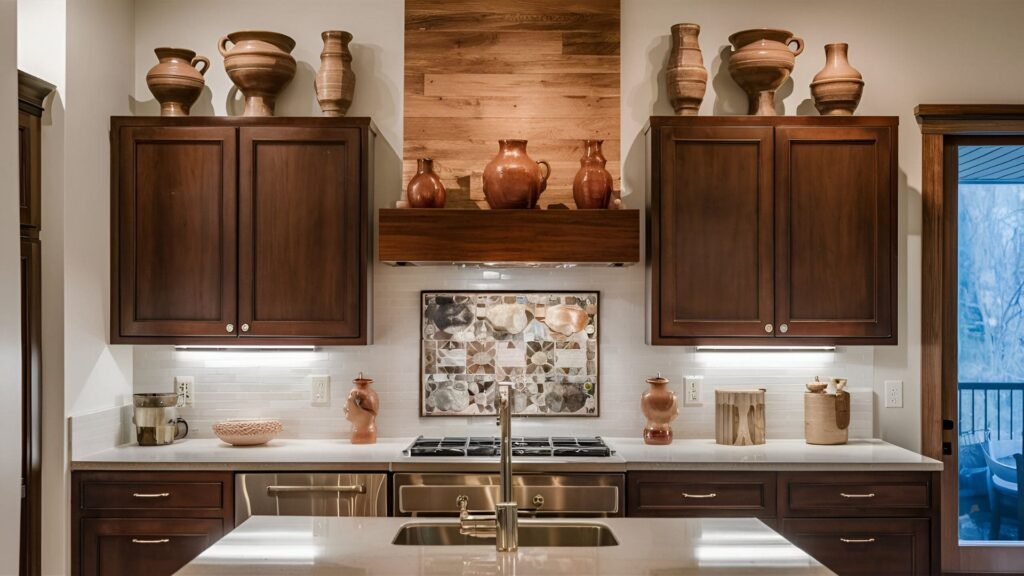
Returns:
(835, 232)
(28, 169)
(712, 234)
(302, 235)
(175, 223)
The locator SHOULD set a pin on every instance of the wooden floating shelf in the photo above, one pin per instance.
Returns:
(509, 237)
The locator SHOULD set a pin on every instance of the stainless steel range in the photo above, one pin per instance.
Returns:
(558, 446)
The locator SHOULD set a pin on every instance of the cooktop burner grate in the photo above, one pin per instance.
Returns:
(562, 446)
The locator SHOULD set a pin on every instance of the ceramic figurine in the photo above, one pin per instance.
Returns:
(761, 61)
(335, 82)
(592, 187)
(838, 87)
(176, 81)
(660, 408)
(260, 64)
(361, 409)
(512, 179)
(425, 189)
(686, 77)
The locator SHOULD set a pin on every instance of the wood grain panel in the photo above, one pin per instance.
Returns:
(477, 71)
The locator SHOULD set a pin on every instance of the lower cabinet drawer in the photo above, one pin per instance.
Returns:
(829, 495)
(864, 546)
(154, 547)
(682, 494)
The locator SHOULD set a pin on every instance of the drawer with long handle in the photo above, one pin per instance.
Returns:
(864, 546)
(705, 494)
(856, 495)
(310, 494)
(150, 546)
(147, 494)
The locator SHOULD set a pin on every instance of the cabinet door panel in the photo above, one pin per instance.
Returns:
(835, 232)
(177, 231)
(713, 276)
(29, 170)
(864, 546)
(302, 247)
(154, 547)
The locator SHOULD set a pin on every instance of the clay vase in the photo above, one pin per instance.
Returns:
(512, 179)
(425, 189)
(761, 62)
(686, 76)
(838, 87)
(660, 408)
(335, 81)
(592, 187)
(176, 81)
(361, 408)
(260, 65)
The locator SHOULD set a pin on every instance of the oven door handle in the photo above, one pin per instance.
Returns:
(356, 489)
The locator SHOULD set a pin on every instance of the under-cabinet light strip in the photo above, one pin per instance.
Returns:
(215, 348)
(766, 348)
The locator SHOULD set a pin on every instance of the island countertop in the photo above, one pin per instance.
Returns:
(269, 545)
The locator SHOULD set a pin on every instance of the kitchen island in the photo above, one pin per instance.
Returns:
(296, 546)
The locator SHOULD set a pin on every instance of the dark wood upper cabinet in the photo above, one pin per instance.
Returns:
(240, 230)
(772, 231)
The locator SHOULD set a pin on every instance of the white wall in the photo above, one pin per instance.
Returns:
(10, 294)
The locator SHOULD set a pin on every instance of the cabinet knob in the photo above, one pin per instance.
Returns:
(245, 327)
(230, 327)
(768, 328)
(784, 328)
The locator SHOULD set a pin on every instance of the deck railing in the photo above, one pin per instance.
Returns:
(994, 406)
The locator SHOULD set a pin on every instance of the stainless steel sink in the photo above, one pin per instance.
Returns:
(531, 534)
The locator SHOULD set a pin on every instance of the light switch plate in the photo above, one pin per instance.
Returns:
(894, 394)
(185, 387)
(321, 390)
(693, 390)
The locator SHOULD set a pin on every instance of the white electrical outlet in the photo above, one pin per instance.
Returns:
(894, 394)
(321, 391)
(185, 387)
(693, 390)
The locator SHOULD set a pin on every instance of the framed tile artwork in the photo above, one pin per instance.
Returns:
(544, 343)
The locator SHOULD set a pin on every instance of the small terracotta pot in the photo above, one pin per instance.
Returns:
(512, 179)
(335, 82)
(592, 187)
(176, 81)
(261, 65)
(659, 406)
(425, 189)
(761, 62)
(838, 87)
(686, 77)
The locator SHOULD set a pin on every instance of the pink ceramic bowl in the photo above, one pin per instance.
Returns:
(250, 432)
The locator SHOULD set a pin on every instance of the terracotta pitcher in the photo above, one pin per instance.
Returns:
(261, 65)
(361, 409)
(335, 82)
(761, 62)
(176, 81)
(686, 77)
(592, 187)
(838, 87)
(660, 408)
(425, 189)
(512, 179)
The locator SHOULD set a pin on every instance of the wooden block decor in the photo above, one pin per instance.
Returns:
(739, 417)
(477, 71)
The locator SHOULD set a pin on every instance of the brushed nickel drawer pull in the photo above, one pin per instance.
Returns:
(154, 495)
(160, 541)
(357, 489)
(845, 495)
(709, 495)
(858, 540)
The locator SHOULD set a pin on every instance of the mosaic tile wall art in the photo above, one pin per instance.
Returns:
(544, 343)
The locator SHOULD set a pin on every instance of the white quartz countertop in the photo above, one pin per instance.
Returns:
(268, 545)
(386, 454)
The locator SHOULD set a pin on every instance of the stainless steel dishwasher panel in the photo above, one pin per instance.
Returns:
(299, 494)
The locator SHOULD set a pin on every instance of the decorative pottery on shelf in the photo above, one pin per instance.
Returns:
(425, 189)
(761, 61)
(335, 82)
(838, 87)
(512, 179)
(361, 409)
(593, 185)
(827, 416)
(260, 64)
(739, 417)
(660, 408)
(250, 432)
(176, 81)
(686, 77)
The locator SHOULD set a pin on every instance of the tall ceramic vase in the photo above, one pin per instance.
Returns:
(659, 406)
(361, 409)
(761, 61)
(838, 87)
(592, 187)
(335, 81)
(686, 76)
(176, 80)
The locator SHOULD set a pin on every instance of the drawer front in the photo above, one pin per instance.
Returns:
(701, 494)
(152, 495)
(154, 547)
(836, 495)
(864, 546)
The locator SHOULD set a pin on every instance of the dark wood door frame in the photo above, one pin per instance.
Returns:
(942, 128)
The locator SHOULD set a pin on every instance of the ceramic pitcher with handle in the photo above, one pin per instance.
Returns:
(512, 179)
